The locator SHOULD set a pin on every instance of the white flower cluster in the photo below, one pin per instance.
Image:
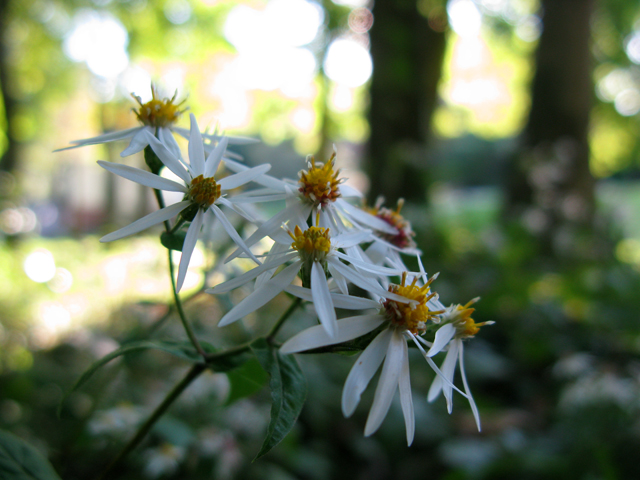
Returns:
(320, 238)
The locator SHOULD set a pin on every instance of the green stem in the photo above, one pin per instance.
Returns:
(177, 225)
(193, 373)
(181, 314)
(211, 357)
(158, 194)
(296, 303)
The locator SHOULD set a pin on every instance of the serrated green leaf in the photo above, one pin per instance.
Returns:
(173, 241)
(180, 349)
(288, 391)
(246, 380)
(20, 461)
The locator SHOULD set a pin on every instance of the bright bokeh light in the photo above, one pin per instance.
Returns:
(303, 119)
(352, 3)
(342, 98)
(348, 63)
(464, 17)
(619, 86)
(613, 83)
(291, 23)
(61, 281)
(100, 40)
(271, 55)
(632, 47)
(627, 102)
(40, 266)
(177, 11)
(136, 80)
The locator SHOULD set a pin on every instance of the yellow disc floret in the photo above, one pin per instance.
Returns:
(204, 191)
(320, 183)
(157, 112)
(411, 316)
(460, 317)
(313, 243)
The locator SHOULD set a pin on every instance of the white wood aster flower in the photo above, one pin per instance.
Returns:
(456, 325)
(402, 321)
(313, 252)
(201, 191)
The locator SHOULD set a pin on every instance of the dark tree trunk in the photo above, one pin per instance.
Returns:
(550, 186)
(407, 48)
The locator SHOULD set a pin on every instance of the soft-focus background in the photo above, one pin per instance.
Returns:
(509, 126)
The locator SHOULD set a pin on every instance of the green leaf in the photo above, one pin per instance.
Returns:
(20, 461)
(180, 349)
(173, 241)
(288, 391)
(246, 380)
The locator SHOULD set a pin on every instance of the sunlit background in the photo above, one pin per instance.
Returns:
(294, 74)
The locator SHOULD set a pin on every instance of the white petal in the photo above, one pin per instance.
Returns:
(166, 157)
(234, 181)
(272, 197)
(347, 302)
(143, 223)
(138, 142)
(189, 244)
(263, 295)
(447, 371)
(417, 340)
(364, 283)
(213, 160)
(196, 148)
(348, 191)
(251, 274)
(345, 240)
(443, 336)
(362, 217)
(166, 137)
(276, 251)
(183, 132)
(370, 267)
(268, 228)
(387, 383)
(363, 370)
(406, 399)
(143, 177)
(104, 138)
(339, 279)
(233, 140)
(236, 208)
(265, 180)
(226, 224)
(322, 299)
(472, 402)
(317, 336)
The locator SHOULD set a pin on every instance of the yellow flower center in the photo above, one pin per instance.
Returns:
(460, 317)
(404, 237)
(204, 191)
(415, 315)
(320, 183)
(314, 242)
(156, 112)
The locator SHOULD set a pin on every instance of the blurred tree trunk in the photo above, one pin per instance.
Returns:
(550, 186)
(407, 48)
